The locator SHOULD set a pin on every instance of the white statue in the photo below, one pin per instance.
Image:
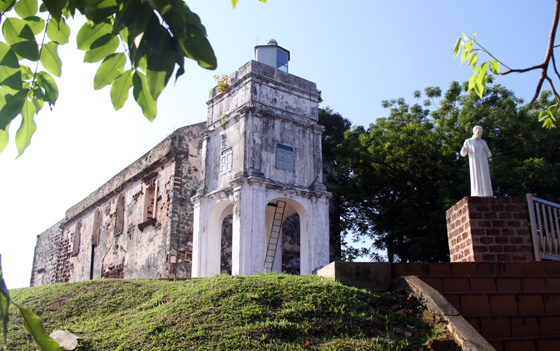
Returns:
(479, 153)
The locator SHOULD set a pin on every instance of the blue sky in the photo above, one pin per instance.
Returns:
(358, 53)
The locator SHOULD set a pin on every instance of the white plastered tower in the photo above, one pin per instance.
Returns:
(261, 152)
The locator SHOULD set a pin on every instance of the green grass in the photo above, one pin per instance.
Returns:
(263, 312)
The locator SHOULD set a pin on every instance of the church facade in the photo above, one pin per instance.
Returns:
(240, 194)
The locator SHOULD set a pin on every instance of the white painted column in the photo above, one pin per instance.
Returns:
(198, 238)
(320, 238)
(248, 229)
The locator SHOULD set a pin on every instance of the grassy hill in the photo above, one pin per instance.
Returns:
(263, 312)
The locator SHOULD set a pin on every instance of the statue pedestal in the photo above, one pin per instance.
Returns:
(489, 229)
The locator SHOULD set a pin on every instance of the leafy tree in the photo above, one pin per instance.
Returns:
(335, 127)
(470, 48)
(140, 44)
(398, 172)
(404, 171)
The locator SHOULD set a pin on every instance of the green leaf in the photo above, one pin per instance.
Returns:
(196, 46)
(26, 72)
(50, 59)
(26, 8)
(465, 55)
(36, 24)
(132, 19)
(98, 10)
(6, 5)
(20, 37)
(88, 34)
(10, 72)
(58, 31)
(160, 63)
(99, 53)
(143, 97)
(10, 106)
(494, 67)
(549, 119)
(109, 70)
(38, 102)
(156, 81)
(4, 293)
(55, 6)
(483, 73)
(233, 3)
(48, 86)
(180, 71)
(458, 46)
(34, 326)
(180, 17)
(473, 60)
(120, 88)
(3, 143)
(27, 127)
(187, 28)
(479, 88)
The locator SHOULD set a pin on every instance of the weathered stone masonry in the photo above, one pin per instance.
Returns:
(145, 247)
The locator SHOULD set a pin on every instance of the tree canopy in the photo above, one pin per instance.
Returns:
(139, 44)
(403, 172)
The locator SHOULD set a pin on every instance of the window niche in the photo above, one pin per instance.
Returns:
(77, 237)
(285, 157)
(96, 228)
(226, 161)
(119, 216)
(150, 201)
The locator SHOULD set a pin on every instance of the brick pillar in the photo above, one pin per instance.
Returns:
(489, 229)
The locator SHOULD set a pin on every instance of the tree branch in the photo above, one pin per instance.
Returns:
(547, 59)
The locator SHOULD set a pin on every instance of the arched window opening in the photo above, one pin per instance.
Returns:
(119, 217)
(226, 245)
(77, 235)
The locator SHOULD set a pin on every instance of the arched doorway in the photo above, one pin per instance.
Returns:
(217, 241)
(285, 224)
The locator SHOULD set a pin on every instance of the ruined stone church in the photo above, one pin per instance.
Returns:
(239, 194)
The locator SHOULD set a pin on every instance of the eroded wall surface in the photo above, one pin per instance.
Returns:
(46, 256)
(137, 225)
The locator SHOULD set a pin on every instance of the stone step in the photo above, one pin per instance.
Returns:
(505, 304)
(526, 344)
(495, 283)
(475, 269)
(516, 327)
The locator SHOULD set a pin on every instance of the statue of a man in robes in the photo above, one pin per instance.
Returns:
(479, 153)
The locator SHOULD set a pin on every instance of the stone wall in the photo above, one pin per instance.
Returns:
(151, 238)
(186, 181)
(46, 256)
(489, 229)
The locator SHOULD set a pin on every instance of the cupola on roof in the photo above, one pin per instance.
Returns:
(273, 55)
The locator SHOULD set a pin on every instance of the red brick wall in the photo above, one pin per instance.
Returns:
(489, 229)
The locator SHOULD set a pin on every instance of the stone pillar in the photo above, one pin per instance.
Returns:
(489, 229)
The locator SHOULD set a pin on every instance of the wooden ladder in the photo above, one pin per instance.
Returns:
(274, 235)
